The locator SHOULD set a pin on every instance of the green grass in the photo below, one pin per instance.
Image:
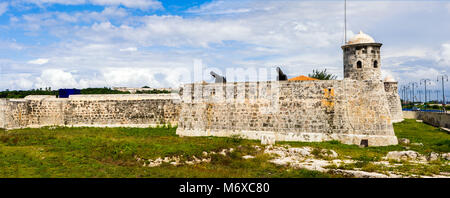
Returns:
(110, 152)
(432, 138)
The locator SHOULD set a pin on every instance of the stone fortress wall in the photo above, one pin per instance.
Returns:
(359, 109)
(126, 110)
(346, 110)
(395, 105)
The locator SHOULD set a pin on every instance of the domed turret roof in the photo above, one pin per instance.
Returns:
(361, 38)
(389, 79)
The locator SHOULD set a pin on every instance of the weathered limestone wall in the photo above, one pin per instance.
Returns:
(90, 110)
(3, 109)
(431, 118)
(347, 110)
(367, 54)
(395, 105)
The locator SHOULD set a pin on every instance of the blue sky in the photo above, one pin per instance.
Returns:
(96, 43)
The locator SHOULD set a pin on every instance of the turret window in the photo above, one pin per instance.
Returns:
(359, 64)
(375, 64)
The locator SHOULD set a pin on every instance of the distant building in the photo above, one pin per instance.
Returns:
(65, 93)
(134, 90)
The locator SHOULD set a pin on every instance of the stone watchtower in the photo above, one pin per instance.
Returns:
(362, 58)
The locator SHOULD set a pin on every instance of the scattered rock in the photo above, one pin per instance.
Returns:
(303, 158)
(158, 160)
(248, 157)
(446, 129)
(196, 160)
(416, 144)
(446, 156)
(433, 156)
(175, 160)
(267, 139)
(402, 155)
(166, 160)
(189, 162)
(404, 141)
(223, 152)
(304, 152)
(360, 174)
(328, 153)
(419, 120)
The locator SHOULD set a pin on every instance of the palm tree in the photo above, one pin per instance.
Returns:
(322, 75)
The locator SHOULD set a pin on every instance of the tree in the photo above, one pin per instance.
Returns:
(322, 75)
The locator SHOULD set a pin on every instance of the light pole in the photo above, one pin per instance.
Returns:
(413, 85)
(443, 78)
(402, 91)
(401, 95)
(405, 94)
(425, 82)
(419, 96)
(408, 94)
(437, 96)
(429, 95)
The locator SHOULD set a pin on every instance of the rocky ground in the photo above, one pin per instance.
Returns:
(329, 161)
(324, 160)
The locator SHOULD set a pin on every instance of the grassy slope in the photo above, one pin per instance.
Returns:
(98, 152)
(109, 152)
(432, 138)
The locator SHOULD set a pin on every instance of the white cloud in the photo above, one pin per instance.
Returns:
(22, 81)
(221, 7)
(10, 45)
(3, 8)
(418, 52)
(139, 4)
(297, 35)
(445, 54)
(56, 78)
(39, 61)
(130, 49)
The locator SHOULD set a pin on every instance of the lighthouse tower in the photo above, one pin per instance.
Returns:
(362, 58)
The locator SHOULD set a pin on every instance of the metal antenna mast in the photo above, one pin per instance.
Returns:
(345, 22)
